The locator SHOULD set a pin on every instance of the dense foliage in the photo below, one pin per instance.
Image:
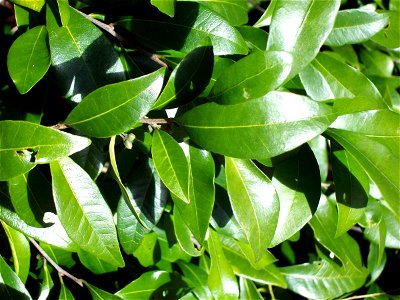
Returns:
(199, 149)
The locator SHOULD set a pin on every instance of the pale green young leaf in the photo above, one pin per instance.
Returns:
(255, 203)
(29, 58)
(24, 144)
(83, 211)
(248, 289)
(20, 251)
(116, 108)
(11, 286)
(258, 128)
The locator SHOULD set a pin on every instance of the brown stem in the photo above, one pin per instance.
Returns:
(156, 121)
(110, 29)
(60, 270)
(59, 126)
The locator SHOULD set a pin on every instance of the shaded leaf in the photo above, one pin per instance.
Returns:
(65, 293)
(260, 128)
(12, 286)
(83, 212)
(47, 282)
(115, 108)
(355, 26)
(248, 289)
(301, 28)
(196, 278)
(94, 264)
(184, 236)
(99, 294)
(251, 77)
(29, 58)
(254, 202)
(24, 144)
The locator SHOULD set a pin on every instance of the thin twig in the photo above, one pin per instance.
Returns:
(60, 270)
(271, 292)
(110, 29)
(156, 121)
(366, 296)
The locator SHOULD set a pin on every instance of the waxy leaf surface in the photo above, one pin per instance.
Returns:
(11, 285)
(115, 108)
(259, 128)
(24, 144)
(83, 211)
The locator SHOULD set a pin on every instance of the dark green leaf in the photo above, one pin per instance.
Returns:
(24, 144)
(186, 30)
(259, 128)
(298, 186)
(184, 237)
(81, 55)
(83, 212)
(252, 77)
(116, 108)
(189, 78)
(11, 286)
(254, 202)
(29, 58)
(171, 164)
(47, 282)
(301, 28)
(319, 146)
(356, 25)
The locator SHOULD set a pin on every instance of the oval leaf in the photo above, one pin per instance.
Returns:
(355, 25)
(29, 58)
(300, 28)
(115, 108)
(252, 77)
(11, 286)
(83, 212)
(254, 202)
(24, 144)
(279, 122)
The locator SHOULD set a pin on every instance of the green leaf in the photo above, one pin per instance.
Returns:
(94, 264)
(185, 30)
(196, 278)
(376, 63)
(31, 196)
(256, 39)
(221, 280)
(144, 286)
(279, 122)
(47, 282)
(82, 57)
(252, 77)
(65, 293)
(254, 202)
(35, 5)
(301, 28)
(20, 250)
(83, 212)
(61, 257)
(189, 78)
(197, 213)
(319, 146)
(29, 58)
(248, 290)
(64, 9)
(266, 18)
(351, 188)
(320, 280)
(235, 12)
(24, 144)
(389, 37)
(298, 186)
(171, 164)
(376, 255)
(99, 294)
(165, 6)
(184, 237)
(327, 78)
(355, 26)
(116, 108)
(11, 286)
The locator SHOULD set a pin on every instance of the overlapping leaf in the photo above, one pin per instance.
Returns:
(12, 286)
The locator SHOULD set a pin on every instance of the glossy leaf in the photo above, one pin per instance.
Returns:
(59, 256)
(196, 278)
(256, 39)
(165, 6)
(184, 237)
(221, 280)
(248, 290)
(254, 202)
(115, 108)
(327, 78)
(82, 57)
(252, 77)
(389, 37)
(266, 18)
(377, 63)
(189, 77)
(83, 212)
(12, 286)
(171, 164)
(29, 58)
(356, 25)
(64, 9)
(20, 250)
(319, 146)
(94, 264)
(47, 282)
(24, 144)
(186, 30)
(197, 213)
(35, 5)
(351, 188)
(239, 130)
(235, 12)
(301, 28)
(144, 286)
(99, 294)
(298, 187)
(321, 280)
